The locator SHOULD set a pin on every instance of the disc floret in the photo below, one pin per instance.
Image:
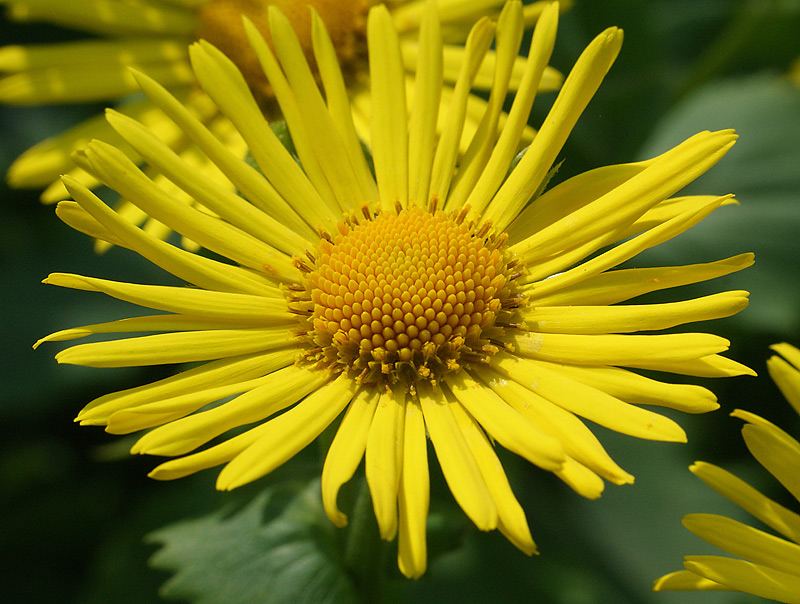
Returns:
(408, 295)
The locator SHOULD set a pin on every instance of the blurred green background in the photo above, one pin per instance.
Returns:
(75, 506)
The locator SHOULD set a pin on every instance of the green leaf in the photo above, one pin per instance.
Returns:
(241, 559)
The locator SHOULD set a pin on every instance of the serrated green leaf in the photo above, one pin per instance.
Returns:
(240, 559)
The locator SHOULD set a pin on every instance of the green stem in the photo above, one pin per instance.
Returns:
(364, 551)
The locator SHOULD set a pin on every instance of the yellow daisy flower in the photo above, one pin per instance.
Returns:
(770, 565)
(426, 302)
(153, 36)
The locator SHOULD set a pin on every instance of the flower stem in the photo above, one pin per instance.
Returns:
(364, 551)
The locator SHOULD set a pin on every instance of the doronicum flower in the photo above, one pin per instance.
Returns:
(153, 36)
(767, 565)
(427, 302)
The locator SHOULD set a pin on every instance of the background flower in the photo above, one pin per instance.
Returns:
(75, 525)
(766, 565)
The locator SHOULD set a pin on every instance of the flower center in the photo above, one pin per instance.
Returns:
(407, 295)
(222, 26)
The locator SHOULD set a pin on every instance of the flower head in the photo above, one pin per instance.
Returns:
(428, 301)
(153, 36)
(766, 565)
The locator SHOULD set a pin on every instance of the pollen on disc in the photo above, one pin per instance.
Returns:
(405, 294)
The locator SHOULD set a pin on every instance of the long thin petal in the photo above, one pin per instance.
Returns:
(773, 514)
(216, 373)
(745, 576)
(213, 196)
(346, 451)
(281, 389)
(506, 425)
(745, 541)
(620, 285)
(413, 496)
(247, 180)
(425, 108)
(509, 511)
(630, 318)
(281, 438)
(389, 117)
(161, 349)
(458, 464)
(587, 402)
(384, 460)
(578, 89)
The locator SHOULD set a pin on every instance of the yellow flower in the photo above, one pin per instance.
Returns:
(153, 36)
(428, 301)
(770, 565)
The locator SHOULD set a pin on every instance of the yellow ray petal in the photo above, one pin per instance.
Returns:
(624, 251)
(444, 161)
(200, 271)
(634, 388)
(339, 104)
(580, 479)
(507, 41)
(777, 452)
(744, 576)
(576, 439)
(168, 410)
(569, 196)
(504, 424)
(713, 365)
(604, 349)
(627, 202)
(425, 108)
(346, 451)
(384, 460)
(587, 402)
(281, 438)
(102, 54)
(109, 17)
(578, 89)
(161, 349)
(247, 180)
(219, 199)
(510, 514)
(281, 389)
(630, 318)
(226, 86)
(389, 117)
(119, 173)
(495, 171)
(290, 107)
(413, 495)
(147, 324)
(785, 375)
(745, 541)
(337, 168)
(81, 83)
(456, 460)
(79, 219)
(683, 580)
(216, 373)
(749, 499)
(620, 285)
(183, 299)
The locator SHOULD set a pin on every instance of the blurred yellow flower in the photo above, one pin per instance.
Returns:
(766, 565)
(427, 301)
(153, 36)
